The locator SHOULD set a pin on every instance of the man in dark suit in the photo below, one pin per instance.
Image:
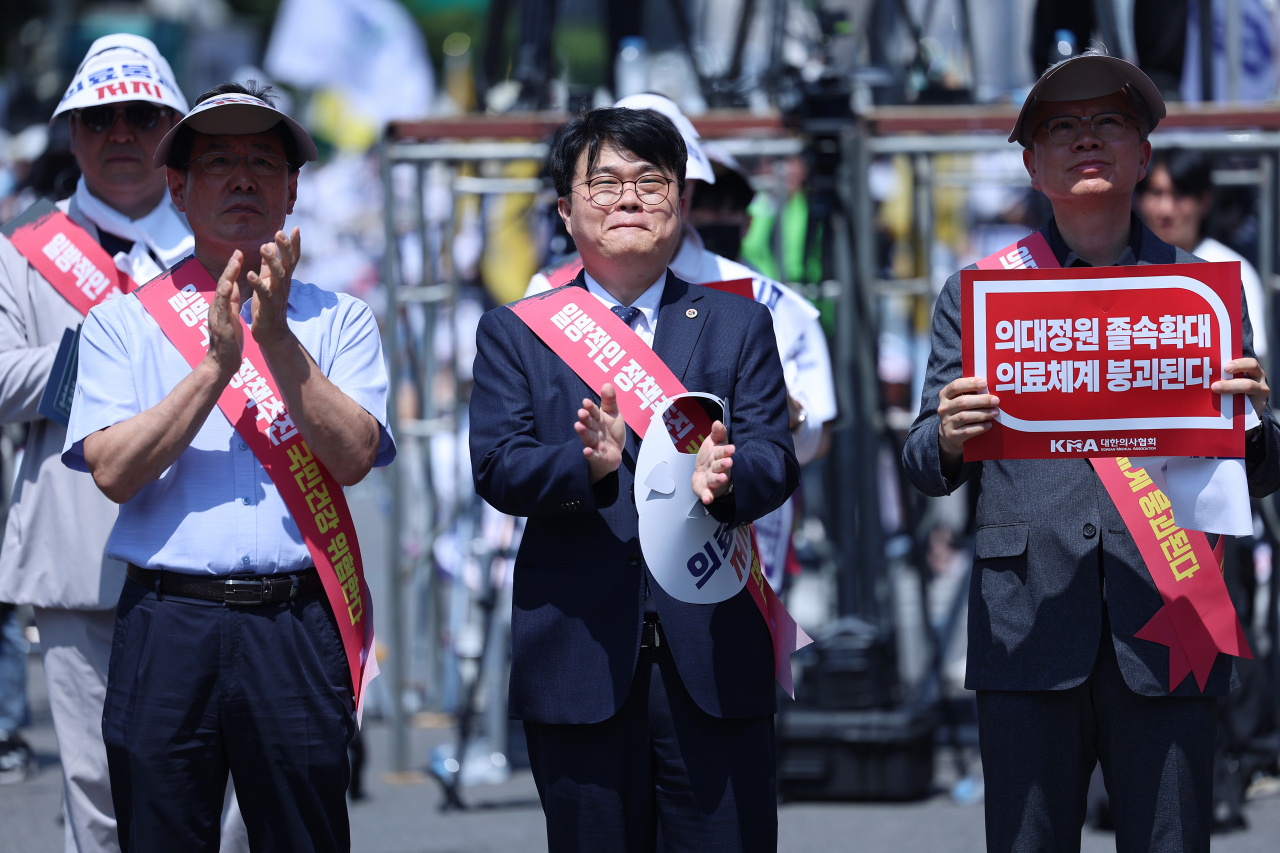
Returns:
(646, 717)
(1059, 588)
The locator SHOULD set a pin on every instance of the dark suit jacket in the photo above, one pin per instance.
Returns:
(1051, 545)
(580, 577)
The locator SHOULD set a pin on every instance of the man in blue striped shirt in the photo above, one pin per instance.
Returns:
(202, 684)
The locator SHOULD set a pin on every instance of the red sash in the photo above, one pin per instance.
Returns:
(740, 286)
(69, 259)
(600, 348)
(1197, 619)
(566, 272)
(179, 302)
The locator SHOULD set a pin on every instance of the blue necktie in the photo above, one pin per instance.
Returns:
(627, 315)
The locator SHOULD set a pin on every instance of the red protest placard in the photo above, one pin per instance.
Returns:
(1105, 360)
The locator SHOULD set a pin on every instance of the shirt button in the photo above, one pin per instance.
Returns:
(244, 446)
(1089, 531)
(244, 501)
(245, 559)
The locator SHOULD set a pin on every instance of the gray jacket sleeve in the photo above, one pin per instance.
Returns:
(920, 453)
(24, 366)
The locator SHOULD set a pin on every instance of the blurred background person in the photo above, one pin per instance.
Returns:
(1176, 201)
(17, 761)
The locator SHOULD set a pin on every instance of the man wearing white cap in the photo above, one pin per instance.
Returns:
(802, 345)
(1060, 588)
(232, 649)
(121, 103)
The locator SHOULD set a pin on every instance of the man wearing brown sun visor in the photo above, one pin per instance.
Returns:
(117, 231)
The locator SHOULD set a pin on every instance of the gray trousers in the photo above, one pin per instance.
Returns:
(1039, 749)
(76, 647)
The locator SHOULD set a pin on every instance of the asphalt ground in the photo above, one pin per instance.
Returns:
(401, 814)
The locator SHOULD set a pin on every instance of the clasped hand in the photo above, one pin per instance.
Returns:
(604, 434)
(270, 305)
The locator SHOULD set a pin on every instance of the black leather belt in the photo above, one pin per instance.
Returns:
(246, 589)
(651, 635)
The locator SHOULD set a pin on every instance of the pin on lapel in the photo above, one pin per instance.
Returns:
(691, 313)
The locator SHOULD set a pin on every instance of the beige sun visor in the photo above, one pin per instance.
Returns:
(1085, 77)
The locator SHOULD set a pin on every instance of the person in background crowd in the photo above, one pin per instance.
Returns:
(16, 759)
(718, 208)
(226, 657)
(1059, 587)
(646, 717)
(52, 557)
(1175, 200)
(790, 227)
(802, 346)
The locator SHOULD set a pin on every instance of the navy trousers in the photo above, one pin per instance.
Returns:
(661, 774)
(1039, 749)
(196, 690)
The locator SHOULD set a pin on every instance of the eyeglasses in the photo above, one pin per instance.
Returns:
(263, 165)
(1108, 126)
(650, 189)
(140, 115)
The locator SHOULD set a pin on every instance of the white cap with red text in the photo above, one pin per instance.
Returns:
(122, 67)
(698, 167)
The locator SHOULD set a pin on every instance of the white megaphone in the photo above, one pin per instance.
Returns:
(693, 557)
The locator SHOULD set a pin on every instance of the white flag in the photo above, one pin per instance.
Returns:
(370, 49)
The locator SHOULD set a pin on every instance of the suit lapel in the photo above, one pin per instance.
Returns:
(677, 332)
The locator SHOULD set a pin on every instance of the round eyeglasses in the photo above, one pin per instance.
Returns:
(140, 115)
(606, 189)
(1108, 126)
(263, 165)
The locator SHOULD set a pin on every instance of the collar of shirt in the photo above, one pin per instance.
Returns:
(687, 264)
(647, 325)
(1068, 258)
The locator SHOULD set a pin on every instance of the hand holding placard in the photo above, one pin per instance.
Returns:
(965, 411)
(1253, 384)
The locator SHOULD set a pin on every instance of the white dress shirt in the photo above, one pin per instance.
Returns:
(646, 325)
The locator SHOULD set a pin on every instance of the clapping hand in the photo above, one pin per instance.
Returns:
(271, 287)
(711, 470)
(603, 433)
(226, 332)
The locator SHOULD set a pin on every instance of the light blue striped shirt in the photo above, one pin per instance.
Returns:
(214, 511)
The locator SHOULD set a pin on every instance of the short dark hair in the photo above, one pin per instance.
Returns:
(1190, 171)
(644, 133)
(184, 140)
(731, 191)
